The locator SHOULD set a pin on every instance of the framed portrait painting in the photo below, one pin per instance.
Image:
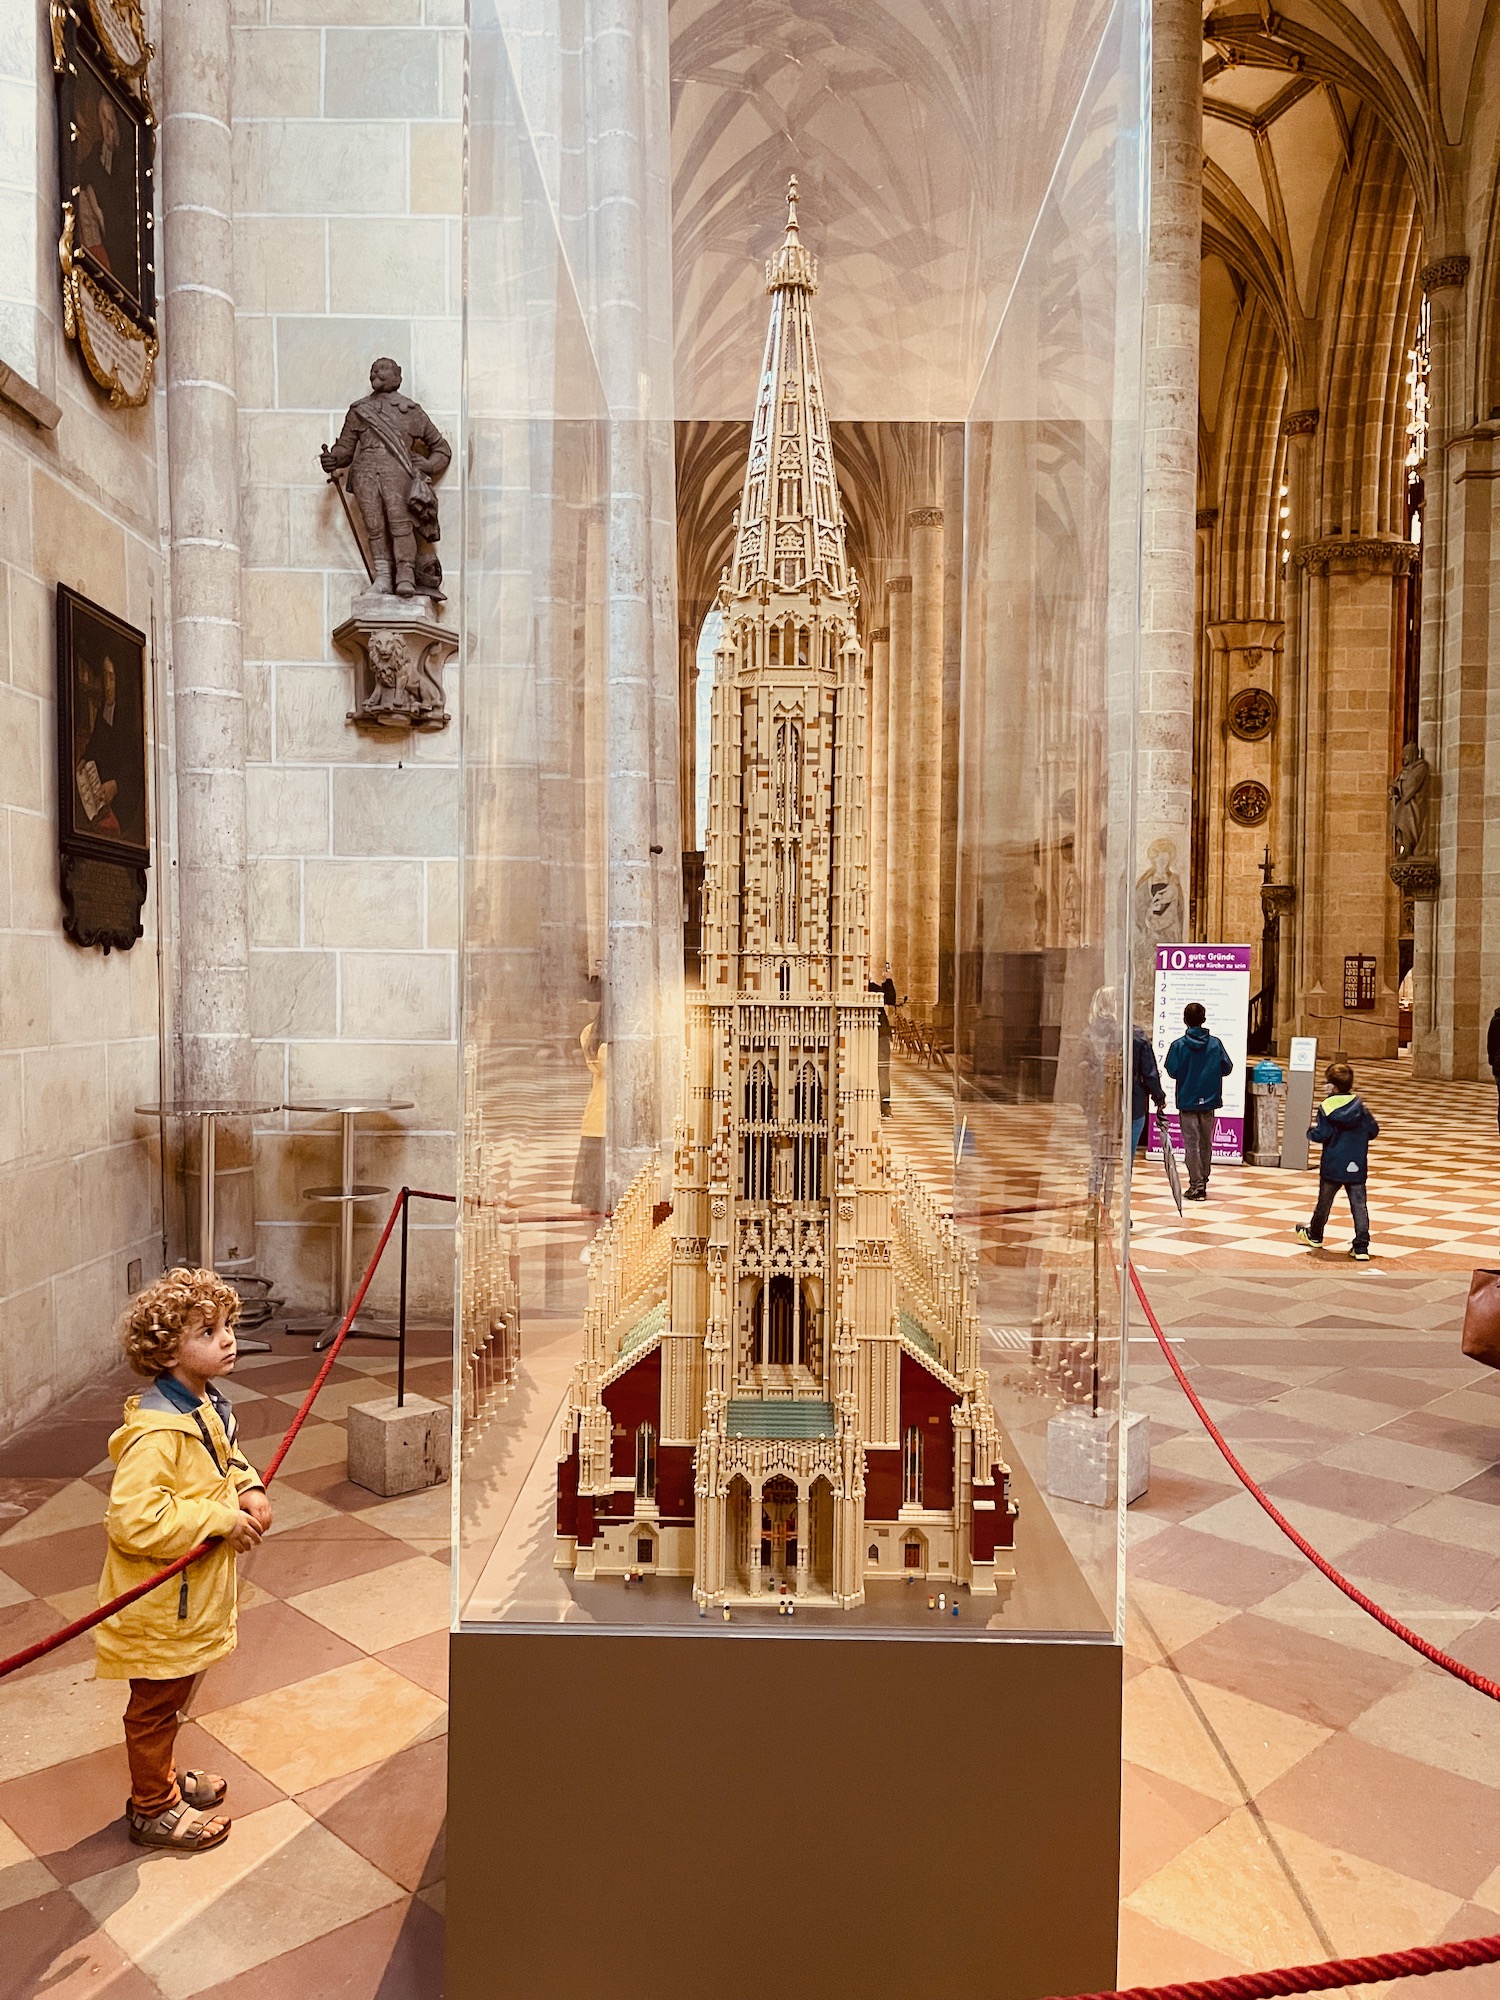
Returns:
(103, 773)
(106, 163)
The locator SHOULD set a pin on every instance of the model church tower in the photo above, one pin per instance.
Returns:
(781, 1387)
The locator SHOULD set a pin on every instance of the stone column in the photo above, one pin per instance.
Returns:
(925, 538)
(898, 838)
(1454, 943)
(213, 1013)
(880, 695)
(687, 709)
(1164, 785)
(630, 306)
(953, 639)
(1345, 903)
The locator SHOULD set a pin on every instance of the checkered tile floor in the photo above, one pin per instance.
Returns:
(1296, 1783)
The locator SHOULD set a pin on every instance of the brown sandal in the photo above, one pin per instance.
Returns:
(202, 1789)
(179, 1827)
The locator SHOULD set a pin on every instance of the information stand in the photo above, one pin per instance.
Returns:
(1301, 1081)
(1217, 975)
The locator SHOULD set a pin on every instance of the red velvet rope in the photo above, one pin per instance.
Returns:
(41, 1647)
(1413, 1964)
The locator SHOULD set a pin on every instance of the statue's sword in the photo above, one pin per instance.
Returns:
(338, 486)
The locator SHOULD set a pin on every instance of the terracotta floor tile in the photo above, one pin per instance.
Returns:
(1440, 1722)
(1209, 1567)
(261, 1417)
(392, 1814)
(1376, 1385)
(56, 1562)
(1267, 1424)
(1363, 1907)
(56, 1715)
(329, 1484)
(314, 1730)
(50, 1948)
(1479, 1647)
(1229, 1891)
(1439, 1569)
(371, 1959)
(1352, 1493)
(277, 1645)
(56, 1450)
(75, 1504)
(280, 1880)
(1432, 1825)
(323, 1552)
(295, 1373)
(1484, 1488)
(404, 1600)
(22, 1624)
(1152, 1955)
(424, 1661)
(1274, 1663)
(316, 1443)
(1158, 1818)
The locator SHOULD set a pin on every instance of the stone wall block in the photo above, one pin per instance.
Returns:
(24, 1008)
(21, 751)
(39, 1231)
(321, 359)
(365, 905)
(436, 169)
(393, 265)
(276, 904)
(312, 720)
(75, 543)
(395, 812)
(280, 263)
(391, 996)
(292, 993)
(361, 1072)
(276, 72)
(301, 166)
(442, 905)
(12, 1109)
(288, 810)
(65, 1112)
(380, 73)
(283, 615)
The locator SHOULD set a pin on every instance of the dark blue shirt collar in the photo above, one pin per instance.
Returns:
(182, 1398)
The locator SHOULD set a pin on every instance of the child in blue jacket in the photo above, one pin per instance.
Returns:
(1344, 1128)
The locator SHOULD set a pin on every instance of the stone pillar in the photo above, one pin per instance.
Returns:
(630, 306)
(213, 1015)
(953, 639)
(880, 696)
(925, 526)
(1238, 776)
(900, 761)
(1346, 904)
(1454, 955)
(1164, 728)
(687, 709)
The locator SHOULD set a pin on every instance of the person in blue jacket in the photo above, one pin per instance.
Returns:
(1145, 1083)
(1197, 1063)
(1344, 1128)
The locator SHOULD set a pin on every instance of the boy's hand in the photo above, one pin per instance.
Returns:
(257, 1504)
(244, 1535)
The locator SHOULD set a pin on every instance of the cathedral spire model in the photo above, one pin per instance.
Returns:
(781, 1388)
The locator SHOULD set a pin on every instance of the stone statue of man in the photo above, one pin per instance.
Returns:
(394, 451)
(1409, 802)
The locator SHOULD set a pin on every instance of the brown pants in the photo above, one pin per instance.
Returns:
(151, 1721)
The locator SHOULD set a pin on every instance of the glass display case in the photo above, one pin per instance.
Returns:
(800, 599)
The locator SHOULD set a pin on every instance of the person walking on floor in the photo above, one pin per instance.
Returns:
(1145, 1084)
(1344, 1128)
(1492, 1050)
(180, 1478)
(1198, 1063)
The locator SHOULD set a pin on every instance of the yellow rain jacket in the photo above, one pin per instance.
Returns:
(179, 1474)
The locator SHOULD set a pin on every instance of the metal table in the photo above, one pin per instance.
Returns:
(347, 1195)
(208, 1111)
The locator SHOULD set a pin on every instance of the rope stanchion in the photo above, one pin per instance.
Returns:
(1340, 1582)
(41, 1647)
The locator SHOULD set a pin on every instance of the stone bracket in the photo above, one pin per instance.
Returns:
(398, 649)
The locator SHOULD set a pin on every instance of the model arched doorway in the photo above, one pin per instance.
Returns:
(778, 1533)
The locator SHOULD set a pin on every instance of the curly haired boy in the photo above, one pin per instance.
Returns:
(180, 1479)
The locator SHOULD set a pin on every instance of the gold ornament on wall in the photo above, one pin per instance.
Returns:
(107, 164)
(1249, 802)
(1252, 714)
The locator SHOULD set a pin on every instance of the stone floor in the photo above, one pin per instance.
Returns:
(1297, 1784)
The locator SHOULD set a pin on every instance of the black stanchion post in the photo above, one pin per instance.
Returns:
(401, 1324)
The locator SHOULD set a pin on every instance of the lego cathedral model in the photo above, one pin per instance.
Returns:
(781, 1388)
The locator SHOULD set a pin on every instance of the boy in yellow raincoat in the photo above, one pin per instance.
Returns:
(180, 1479)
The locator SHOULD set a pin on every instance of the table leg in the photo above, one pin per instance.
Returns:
(346, 1213)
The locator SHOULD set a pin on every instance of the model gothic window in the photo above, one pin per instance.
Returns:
(759, 1140)
(911, 1461)
(808, 1148)
(781, 1322)
(645, 1462)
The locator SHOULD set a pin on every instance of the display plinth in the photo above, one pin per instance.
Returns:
(634, 1817)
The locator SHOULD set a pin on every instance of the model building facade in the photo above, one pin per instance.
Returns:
(781, 1386)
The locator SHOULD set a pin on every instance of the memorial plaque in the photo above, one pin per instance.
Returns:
(1359, 983)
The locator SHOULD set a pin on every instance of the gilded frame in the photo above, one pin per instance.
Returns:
(106, 140)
